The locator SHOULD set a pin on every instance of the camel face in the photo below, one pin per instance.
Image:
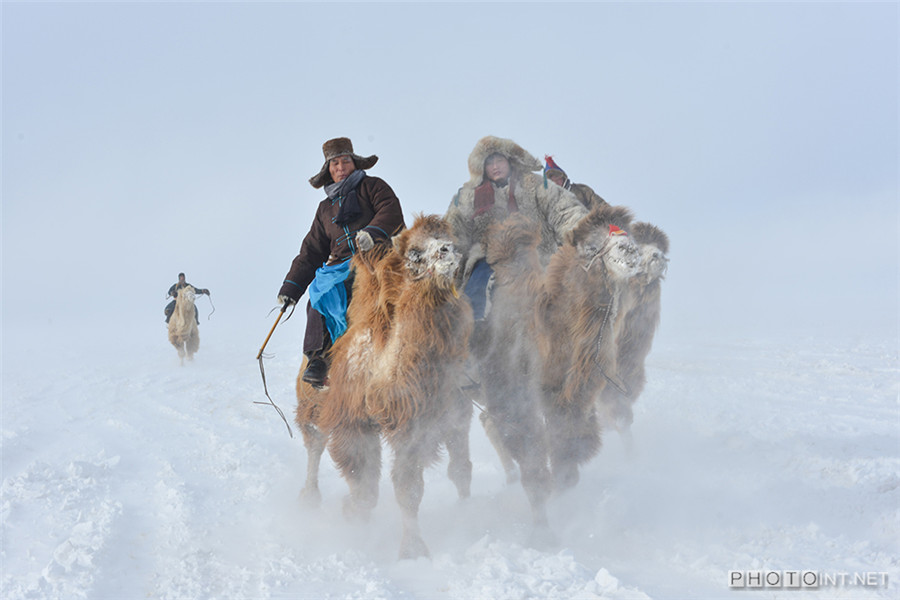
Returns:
(623, 258)
(618, 251)
(432, 257)
(654, 263)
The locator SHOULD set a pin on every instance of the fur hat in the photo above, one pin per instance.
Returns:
(339, 147)
(519, 159)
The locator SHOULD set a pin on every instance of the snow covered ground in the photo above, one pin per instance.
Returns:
(126, 475)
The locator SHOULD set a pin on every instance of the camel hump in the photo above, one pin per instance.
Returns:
(509, 238)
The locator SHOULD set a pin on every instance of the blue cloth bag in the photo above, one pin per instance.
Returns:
(328, 296)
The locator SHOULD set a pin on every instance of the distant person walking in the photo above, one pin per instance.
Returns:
(358, 212)
(173, 293)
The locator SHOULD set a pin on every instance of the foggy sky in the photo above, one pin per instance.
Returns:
(140, 140)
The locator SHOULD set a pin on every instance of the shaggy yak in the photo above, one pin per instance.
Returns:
(183, 331)
(580, 315)
(638, 327)
(394, 374)
(512, 413)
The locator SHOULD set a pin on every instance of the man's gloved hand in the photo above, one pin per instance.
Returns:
(364, 241)
(204, 291)
(290, 292)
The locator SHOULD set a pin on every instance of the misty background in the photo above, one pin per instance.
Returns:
(144, 139)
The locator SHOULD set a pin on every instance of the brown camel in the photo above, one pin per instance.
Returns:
(635, 338)
(394, 376)
(512, 416)
(580, 313)
(183, 331)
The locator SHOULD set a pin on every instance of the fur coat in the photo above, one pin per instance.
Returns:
(556, 209)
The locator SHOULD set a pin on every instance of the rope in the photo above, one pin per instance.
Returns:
(262, 372)
(599, 350)
(603, 252)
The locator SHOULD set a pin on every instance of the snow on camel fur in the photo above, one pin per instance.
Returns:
(580, 314)
(183, 331)
(394, 374)
(635, 338)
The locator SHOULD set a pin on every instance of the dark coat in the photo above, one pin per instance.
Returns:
(173, 291)
(329, 243)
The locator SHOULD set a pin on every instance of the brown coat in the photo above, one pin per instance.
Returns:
(328, 243)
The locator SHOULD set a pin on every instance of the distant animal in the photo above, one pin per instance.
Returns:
(638, 327)
(183, 331)
(394, 376)
(579, 316)
(512, 414)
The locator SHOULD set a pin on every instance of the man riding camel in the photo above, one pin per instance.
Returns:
(173, 292)
(503, 181)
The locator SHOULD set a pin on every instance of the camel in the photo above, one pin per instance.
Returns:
(393, 376)
(580, 313)
(639, 325)
(183, 331)
(512, 414)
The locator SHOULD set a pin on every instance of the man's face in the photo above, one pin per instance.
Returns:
(558, 179)
(496, 167)
(181, 279)
(340, 167)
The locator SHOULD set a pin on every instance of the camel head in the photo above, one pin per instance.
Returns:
(602, 235)
(187, 293)
(654, 245)
(429, 250)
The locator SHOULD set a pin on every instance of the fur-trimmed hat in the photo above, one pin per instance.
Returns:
(339, 147)
(519, 159)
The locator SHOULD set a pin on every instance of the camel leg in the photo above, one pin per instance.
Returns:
(506, 459)
(314, 440)
(574, 439)
(519, 432)
(193, 344)
(459, 469)
(409, 487)
(356, 449)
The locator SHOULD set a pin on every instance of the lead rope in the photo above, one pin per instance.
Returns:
(599, 344)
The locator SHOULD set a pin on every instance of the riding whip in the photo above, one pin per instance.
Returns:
(262, 371)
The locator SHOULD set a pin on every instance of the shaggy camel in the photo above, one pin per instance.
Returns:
(512, 417)
(393, 375)
(579, 316)
(635, 337)
(183, 331)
